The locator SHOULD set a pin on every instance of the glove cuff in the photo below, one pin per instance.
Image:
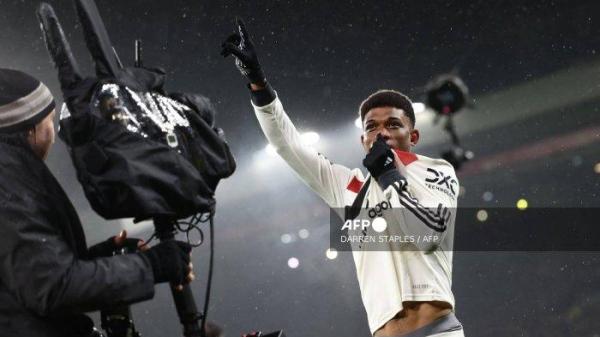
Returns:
(256, 75)
(389, 177)
(264, 96)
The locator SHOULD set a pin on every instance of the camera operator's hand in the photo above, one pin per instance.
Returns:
(381, 163)
(170, 262)
(246, 60)
(119, 244)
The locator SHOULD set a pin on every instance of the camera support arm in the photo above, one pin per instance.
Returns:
(189, 316)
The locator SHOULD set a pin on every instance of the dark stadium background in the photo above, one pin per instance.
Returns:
(533, 69)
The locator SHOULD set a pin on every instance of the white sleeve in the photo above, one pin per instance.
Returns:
(428, 217)
(328, 180)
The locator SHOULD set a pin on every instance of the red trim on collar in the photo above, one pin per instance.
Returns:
(354, 185)
(406, 157)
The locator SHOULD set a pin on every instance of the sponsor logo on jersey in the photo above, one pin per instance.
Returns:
(437, 180)
(377, 211)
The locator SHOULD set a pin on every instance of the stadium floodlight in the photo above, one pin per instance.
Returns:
(310, 138)
(358, 122)
(418, 107)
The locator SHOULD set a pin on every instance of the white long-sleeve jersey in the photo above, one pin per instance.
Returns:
(390, 277)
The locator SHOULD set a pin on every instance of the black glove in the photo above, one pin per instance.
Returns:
(381, 164)
(170, 261)
(110, 247)
(246, 60)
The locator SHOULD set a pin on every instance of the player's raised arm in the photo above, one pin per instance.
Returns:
(325, 178)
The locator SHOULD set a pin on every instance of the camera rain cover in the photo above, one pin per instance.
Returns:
(138, 151)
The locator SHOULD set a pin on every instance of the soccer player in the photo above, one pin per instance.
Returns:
(406, 290)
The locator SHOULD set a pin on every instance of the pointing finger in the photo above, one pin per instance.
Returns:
(242, 29)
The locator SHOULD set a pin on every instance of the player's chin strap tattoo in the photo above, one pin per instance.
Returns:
(139, 152)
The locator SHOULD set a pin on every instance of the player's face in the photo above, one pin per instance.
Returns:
(393, 124)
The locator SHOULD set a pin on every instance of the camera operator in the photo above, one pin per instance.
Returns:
(48, 277)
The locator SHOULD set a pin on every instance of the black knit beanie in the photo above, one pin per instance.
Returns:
(24, 101)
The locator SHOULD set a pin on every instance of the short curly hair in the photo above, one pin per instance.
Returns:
(391, 98)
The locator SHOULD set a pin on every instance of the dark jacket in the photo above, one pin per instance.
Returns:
(46, 278)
